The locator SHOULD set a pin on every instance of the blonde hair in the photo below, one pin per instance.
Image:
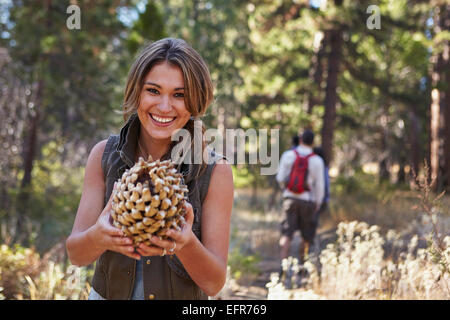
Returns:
(198, 87)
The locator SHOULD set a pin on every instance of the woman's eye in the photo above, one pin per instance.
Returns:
(179, 95)
(151, 90)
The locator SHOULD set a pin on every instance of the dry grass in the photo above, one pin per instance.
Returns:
(379, 246)
(24, 274)
(354, 268)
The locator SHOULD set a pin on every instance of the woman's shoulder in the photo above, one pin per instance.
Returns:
(214, 157)
(221, 165)
(105, 146)
(220, 179)
(98, 149)
(216, 168)
(93, 170)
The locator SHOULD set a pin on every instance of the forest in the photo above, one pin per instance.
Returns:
(369, 78)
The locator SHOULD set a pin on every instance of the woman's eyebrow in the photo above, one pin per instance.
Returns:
(153, 84)
(158, 86)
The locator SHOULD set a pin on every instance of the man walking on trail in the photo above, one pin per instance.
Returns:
(301, 175)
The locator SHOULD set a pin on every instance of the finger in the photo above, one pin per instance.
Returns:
(173, 247)
(122, 241)
(167, 244)
(107, 218)
(189, 216)
(109, 229)
(108, 206)
(175, 236)
(109, 203)
(128, 251)
(113, 192)
(145, 250)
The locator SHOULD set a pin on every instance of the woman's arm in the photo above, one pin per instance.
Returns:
(92, 232)
(206, 261)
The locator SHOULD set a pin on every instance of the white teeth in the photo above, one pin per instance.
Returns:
(162, 120)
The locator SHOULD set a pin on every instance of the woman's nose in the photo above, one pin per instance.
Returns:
(164, 105)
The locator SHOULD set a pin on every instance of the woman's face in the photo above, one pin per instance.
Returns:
(162, 110)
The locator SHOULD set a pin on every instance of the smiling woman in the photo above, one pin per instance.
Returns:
(168, 85)
(162, 109)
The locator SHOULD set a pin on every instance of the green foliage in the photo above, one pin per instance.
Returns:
(242, 177)
(148, 27)
(67, 84)
(71, 104)
(243, 266)
(54, 194)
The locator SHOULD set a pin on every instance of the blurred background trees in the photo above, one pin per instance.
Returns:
(378, 99)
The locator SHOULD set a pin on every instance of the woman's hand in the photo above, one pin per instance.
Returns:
(177, 240)
(108, 237)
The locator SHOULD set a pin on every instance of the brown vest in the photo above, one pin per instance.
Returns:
(164, 277)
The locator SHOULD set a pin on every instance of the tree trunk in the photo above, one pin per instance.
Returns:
(446, 107)
(384, 173)
(445, 25)
(414, 145)
(334, 61)
(29, 154)
(434, 147)
(435, 112)
(316, 72)
(273, 195)
(401, 176)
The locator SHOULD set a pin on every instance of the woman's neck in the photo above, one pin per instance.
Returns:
(149, 146)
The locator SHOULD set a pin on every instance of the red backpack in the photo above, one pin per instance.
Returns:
(299, 174)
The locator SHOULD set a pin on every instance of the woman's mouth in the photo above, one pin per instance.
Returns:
(162, 121)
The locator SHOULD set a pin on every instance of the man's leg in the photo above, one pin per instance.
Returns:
(308, 226)
(288, 227)
(301, 276)
(285, 243)
(304, 250)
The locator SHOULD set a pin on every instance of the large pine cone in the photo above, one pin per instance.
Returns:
(148, 200)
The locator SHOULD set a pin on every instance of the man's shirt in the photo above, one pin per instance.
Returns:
(315, 179)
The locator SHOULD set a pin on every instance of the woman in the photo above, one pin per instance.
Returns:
(168, 86)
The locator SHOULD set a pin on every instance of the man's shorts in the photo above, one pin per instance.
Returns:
(299, 215)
